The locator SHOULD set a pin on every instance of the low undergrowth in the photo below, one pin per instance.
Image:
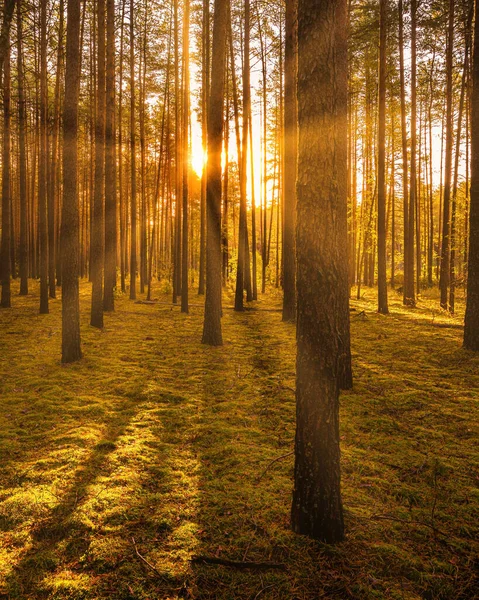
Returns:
(153, 449)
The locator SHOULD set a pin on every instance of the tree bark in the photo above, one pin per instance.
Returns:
(321, 244)
(382, 276)
(110, 163)
(205, 82)
(42, 163)
(410, 296)
(71, 346)
(23, 255)
(98, 223)
(445, 249)
(290, 161)
(5, 264)
(243, 249)
(185, 157)
(5, 32)
(404, 152)
(471, 324)
(133, 206)
(212, 320)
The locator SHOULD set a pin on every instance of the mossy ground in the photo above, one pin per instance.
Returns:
(156, 444)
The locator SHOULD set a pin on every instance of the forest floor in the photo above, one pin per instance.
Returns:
(118, 470)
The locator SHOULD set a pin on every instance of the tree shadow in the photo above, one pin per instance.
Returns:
(60, 524)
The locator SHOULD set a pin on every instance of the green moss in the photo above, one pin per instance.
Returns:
(157, 445)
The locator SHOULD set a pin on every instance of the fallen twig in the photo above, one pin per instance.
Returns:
(144, 559)
(237, 564)
(278, 458)
(409, 522)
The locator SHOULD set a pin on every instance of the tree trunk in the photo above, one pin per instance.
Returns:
(321, 245)
(23, 257)
(445, 249)
(71, 349)
(290, 161)
(98, 224)
(410, 296)
(53, 212)
(471, 325)
(42, 163)
(243, 276)
(133, 206)
(5, 264)
(404, 151)
(185, 156)
(212, 321)
(5, 33)
(205, 79)
(382, 276)
(110, 163)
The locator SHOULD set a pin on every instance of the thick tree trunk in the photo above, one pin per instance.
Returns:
(212, 321)
(321, 244)
(71, 349)
(471, 325)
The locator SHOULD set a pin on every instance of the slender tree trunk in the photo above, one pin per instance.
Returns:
(410, 296)
(8, 9)
(393, 203)
(178, 165)
(53, 213)
(110, 163)
(185, 156)
(42, 163)
(205, 78)
(243, 250)
(71, 347)
(23, 257)
(254, 277)
(142, 110)
(445, 249)
(120, 159)
(98, 224)
(290, 162)
(404, 150)
(133, 206)
(5, 263)
(322, 275)
(452, 264)
(382, 276)
(224, 226)
(431, 197)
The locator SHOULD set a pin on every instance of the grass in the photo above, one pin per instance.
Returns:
(154, 449)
